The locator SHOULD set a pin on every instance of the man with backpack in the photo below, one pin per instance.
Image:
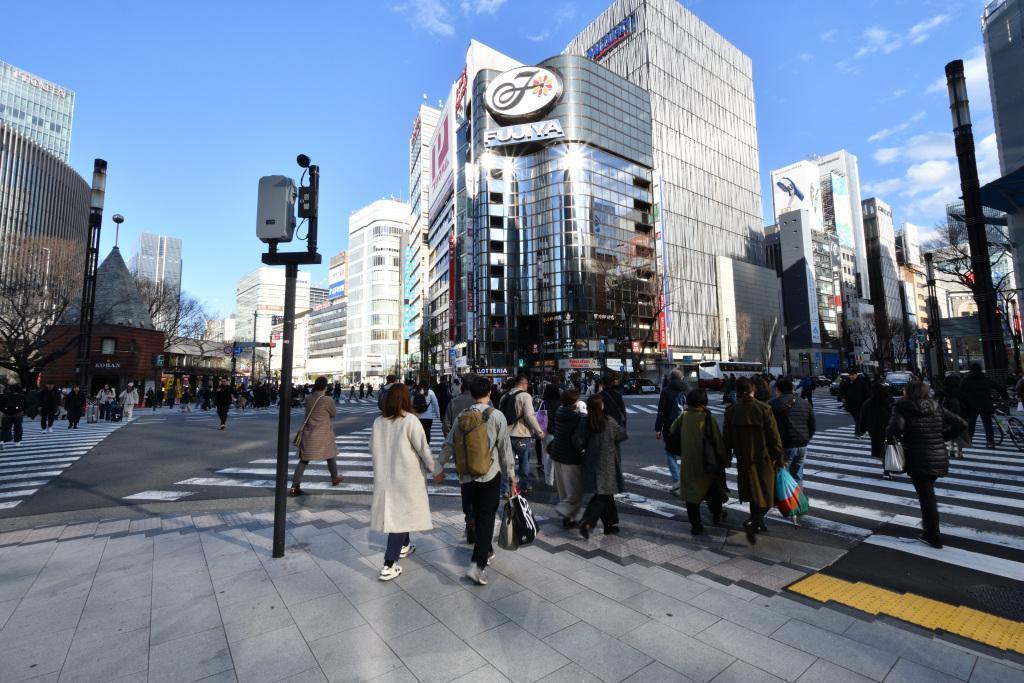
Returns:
(424, 402)
(517, 407)
(795, 418)
(670, 407)
(479, 443)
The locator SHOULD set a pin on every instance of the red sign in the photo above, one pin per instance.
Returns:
(460, 91)
(662, 324)
(453, 272)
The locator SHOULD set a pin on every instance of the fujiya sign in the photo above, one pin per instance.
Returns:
(523, 133)
(523, 94)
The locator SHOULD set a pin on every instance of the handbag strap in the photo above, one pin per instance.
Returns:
(310, 413)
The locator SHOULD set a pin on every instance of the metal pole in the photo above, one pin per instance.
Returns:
(252, 370)
(992, 345)
(92, 253)
(284, 410)
(934, 324)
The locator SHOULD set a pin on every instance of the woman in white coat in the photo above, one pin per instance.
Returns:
(401, 462)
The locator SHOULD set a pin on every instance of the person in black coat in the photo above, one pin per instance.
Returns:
(874, 421)
(74, 403)
(614, 405)
(924, 427)
(566, 457)
(978, 389)
(49, 405)
(952, 399)
(856, 394)
(670, 407)
(222, 399)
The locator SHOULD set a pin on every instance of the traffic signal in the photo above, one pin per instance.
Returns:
(521, 363)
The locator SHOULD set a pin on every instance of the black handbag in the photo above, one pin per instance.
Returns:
(710, 463)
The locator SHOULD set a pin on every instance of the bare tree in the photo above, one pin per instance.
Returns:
(866, 331)
(35, 296)
(181, 317)
(900, 334)
(953, 255)
(767, 339)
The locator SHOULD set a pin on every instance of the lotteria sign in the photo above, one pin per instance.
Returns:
(523, 133)
(619, 33)
(523, 94)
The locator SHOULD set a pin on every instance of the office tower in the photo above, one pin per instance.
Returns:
(38, 109)
(415, 246)
(884, 276)
(157, 258)
(259, 300)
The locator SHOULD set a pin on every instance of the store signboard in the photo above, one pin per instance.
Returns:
(442, 159)
(578, 364)
(798, 187)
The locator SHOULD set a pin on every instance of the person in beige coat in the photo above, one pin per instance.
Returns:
(317, 436)
(401, 461)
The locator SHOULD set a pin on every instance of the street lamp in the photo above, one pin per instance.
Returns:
(992, 346)
(92, 253)
(118, 220)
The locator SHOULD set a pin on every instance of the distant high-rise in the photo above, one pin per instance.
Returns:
(157, 258)
(38, 109)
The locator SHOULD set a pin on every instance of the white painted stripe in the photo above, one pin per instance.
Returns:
(450, 491)
(5, 462)
(21, 484)
(951, 555)
(976, 456)
(658, 507)
(822, 464)
(17, 494)
(33, 475)
(10, 504)
(160, 495)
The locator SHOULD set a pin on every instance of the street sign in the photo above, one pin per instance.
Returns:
(229, 350)
(602, 345)
(242, 345)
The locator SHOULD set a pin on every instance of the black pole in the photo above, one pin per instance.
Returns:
(934, 322)
(992, 345)
(92, 254)
(284, 410)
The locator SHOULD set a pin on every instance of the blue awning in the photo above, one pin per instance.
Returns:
(1005, 194)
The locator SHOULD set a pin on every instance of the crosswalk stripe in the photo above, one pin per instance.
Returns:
(956, 556)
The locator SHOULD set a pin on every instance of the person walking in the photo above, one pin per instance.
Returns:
(614, 404)
(105, 397)
(75, 404)
(49, 404)
(696, 430)
(317, 440)
(670, 407)
(977, 388)
(795, 419)
(517, 407)
(807, 390)
(426, 406)
(856, 394)
(129, 398)
(761, 392)
(222, 399)
(952, 399)
(599, 436)
(480, 492)
(566, 457)
(729, 390)
(12, 413)
(874, 421)
(923, 427)
(362, 391)
(390, 381)
(550, 400)
(750, 433)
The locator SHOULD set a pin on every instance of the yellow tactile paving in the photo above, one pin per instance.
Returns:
(997, 632)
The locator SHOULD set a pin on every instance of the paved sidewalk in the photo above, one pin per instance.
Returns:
(197, 597)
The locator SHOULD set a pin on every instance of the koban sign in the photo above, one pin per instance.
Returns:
(524, 132)
(522, 94)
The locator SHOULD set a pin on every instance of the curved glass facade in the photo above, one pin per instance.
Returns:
(557, 254)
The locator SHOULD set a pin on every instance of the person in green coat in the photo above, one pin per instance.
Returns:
(752, 435)
(697, 483)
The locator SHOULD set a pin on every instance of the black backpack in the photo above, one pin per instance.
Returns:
(419, 401)
(507, 405)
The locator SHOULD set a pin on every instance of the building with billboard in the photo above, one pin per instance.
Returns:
(374, 313)
(38, 109)
(337, 274)
(157, 259)
(706, 194)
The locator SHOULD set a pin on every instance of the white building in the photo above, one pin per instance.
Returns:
(221, 330)
(157, 258)
(259, 297)
(374, 335)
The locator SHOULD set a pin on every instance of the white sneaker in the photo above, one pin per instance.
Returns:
(387, 573)
(490, 559)
(477, 575)
(407, 550)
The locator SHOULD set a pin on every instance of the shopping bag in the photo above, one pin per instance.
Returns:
(789, 495)
(506, 535)
(549, 466)
(895, 461)
(524, 526)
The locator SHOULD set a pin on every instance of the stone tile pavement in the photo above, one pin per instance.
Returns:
(190, 597)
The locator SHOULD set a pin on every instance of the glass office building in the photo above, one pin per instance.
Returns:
(704, 143)
(556, 259)
(157, 258)
(38, 109)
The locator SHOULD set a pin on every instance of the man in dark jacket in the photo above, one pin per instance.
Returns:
(614, 405)
(924, 427)
(222, 399)
(49, 404)
(670, 406)
(978, 388)
(856, 394)
(795, 417)
(12, 412)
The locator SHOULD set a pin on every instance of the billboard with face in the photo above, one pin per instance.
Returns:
(797, 187)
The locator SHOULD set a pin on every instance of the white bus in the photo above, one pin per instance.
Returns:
(712, 373)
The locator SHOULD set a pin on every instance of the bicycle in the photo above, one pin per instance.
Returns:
(1006, 424)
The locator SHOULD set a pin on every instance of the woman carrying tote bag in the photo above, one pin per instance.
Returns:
(315, 439)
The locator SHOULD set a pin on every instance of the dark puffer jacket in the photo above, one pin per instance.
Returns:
(795, 419)
(978, 389)
(562, 427)
(924, 427)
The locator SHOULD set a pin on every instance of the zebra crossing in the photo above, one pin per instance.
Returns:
(39, 458)
(981, 502)
(356, 407)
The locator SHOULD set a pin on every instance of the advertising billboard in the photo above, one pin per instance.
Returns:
(797, 187)
(442, 159)
(841, 206)
(336, 290)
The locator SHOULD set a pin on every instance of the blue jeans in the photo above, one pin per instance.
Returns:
(521, 449)
(795, 462)
(673, 466)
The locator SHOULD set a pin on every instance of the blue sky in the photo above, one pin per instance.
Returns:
(190, 102)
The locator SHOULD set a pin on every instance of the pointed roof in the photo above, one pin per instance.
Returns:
(118, 301)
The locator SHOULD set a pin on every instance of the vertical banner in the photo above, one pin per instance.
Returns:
(453, 274)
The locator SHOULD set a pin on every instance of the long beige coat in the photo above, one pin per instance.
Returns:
(318, 434)
(401, 462)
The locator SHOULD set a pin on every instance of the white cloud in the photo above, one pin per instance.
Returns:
(829, 35)
(919, 148)
(539, 37)
(881, 188)
(888, 132)
(878, 39)
(976, 73)
(805, 57)
(481, 6)
(887, 155)
(430, 15)
(900, 93)
(934, 183)
(919, 32)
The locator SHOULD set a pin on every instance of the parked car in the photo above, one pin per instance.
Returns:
(640, 386)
